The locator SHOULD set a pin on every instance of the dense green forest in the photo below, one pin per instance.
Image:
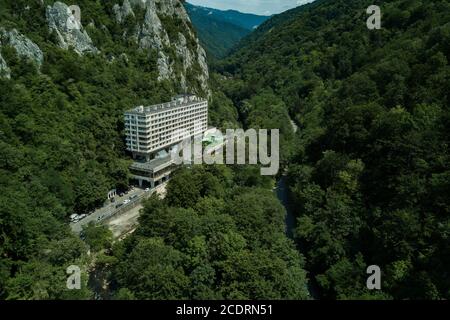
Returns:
(62, 149)
(369, 172)
(216, 235)
(368, 168)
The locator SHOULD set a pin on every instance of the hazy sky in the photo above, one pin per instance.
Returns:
(264, 7)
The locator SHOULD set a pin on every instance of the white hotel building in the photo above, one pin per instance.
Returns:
(152, 131)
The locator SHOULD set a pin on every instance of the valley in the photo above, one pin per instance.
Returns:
(220, 31)
(364, 151)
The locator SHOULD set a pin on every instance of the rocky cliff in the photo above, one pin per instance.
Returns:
(4, 69)
(24, 47)
(160, 28)
(69, 31)
(165, 26)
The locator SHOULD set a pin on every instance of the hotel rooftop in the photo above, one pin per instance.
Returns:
(177, 101)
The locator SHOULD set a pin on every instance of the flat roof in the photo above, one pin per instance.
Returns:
(153, 165)
(177, 102)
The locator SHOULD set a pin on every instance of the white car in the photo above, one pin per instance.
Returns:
(75, 218)
(147, 190)
(126, 201)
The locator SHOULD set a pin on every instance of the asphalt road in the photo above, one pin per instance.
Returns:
(127, 221)
(106, 211)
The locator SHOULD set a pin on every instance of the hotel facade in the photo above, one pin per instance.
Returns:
(152, 132)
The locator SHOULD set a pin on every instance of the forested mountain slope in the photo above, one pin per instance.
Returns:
(63, 93)
(370, 168)
(218, 234)
(278, 21)
(218, 30)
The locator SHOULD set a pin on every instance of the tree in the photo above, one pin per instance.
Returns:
(98, 237)
(153, 270)
(183, 190)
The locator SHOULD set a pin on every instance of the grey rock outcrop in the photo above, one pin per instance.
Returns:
(183, 52)
(69, 31)
(23, 46)
(204, 75)
(139, 3)
(178, 54)
(164, 67)
(153, 35)
(122, 12)
(172, 8)
(4, 69)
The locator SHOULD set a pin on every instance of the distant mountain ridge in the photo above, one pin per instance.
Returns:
(245, 20)
(219, 30)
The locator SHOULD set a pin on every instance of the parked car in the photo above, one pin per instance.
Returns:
(127, 201)
(121, 194)
(119, 205)
(147, 189)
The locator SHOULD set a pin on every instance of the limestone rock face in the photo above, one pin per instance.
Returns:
(139, 3)
(153, 34)
(164, 67)
(122, 12)
(161, 27)
(4, 69)
(183, 51)
(24, 46)
(69, 31)
(204, 75)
